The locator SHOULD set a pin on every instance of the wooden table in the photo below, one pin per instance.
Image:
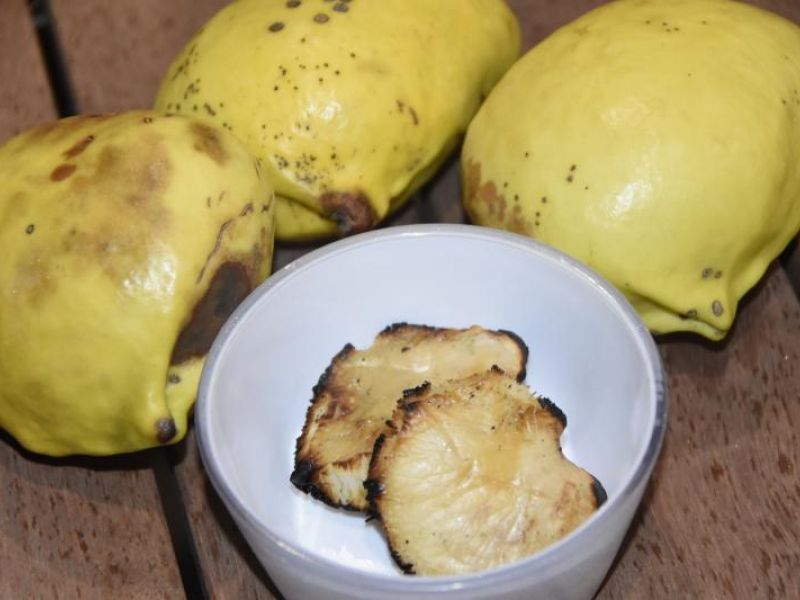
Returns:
(720, 519)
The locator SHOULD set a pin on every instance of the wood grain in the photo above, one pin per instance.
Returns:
(720, 519)
(81, 528)
(25, 98)
(117, 52)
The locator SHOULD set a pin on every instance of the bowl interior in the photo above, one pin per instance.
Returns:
(587, 353)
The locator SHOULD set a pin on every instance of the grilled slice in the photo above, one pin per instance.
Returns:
(359, 391)
(469, 475)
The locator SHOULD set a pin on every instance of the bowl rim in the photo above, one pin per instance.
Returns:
(520, 570)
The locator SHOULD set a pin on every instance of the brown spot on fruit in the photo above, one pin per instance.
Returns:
(228, 287)
(717, 309)
(79, 147)
(293, 3)
(321, 18)
(61, 172)
(165, 430)
(351, 211)
(30, 229)
(341, 7)
(487, 193)
(276, 27)
(206, 140)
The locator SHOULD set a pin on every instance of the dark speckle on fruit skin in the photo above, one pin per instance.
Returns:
(165, 430)
(276, 27)
(30, 229)
(61, 172)
(78, 147)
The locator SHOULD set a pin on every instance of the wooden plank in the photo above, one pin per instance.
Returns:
(117, 52)
(24, 93)
(720, 518)
(80, 528)
(70, 528)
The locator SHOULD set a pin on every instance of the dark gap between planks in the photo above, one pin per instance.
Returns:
(57, 73)
(171, 500)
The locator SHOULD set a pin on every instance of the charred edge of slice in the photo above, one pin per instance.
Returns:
(374, 488)
(303, 476)
(304, 479)
(551, 407)
(400, 325)
(323, 379)
(600, 495)
(416, 391)
(523, 347)
(407, 568)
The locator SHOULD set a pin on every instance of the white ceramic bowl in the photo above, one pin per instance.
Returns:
(589, 352)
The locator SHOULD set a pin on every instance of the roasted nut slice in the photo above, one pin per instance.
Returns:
(360, 389)
(469, 475)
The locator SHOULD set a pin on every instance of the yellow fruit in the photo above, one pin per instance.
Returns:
(350, 105)
(125, 241)
(655, 140)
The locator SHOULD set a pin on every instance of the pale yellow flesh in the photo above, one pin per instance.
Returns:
(657, 141)
(111, 229)
(472, 477)
(362, 101)
(363, 389)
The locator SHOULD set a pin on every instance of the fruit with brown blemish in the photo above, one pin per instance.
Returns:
(679, 190)
(363, 87)
(125, 242)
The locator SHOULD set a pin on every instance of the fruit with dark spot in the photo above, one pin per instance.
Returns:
(119, 267)
(327, 79)
(680, 191)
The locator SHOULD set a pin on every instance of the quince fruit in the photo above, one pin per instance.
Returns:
(125, 242)
(351, 106)
(656, 141)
